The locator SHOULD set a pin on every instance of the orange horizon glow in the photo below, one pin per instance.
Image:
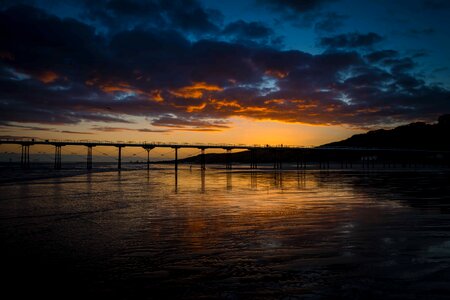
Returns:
(241, 131)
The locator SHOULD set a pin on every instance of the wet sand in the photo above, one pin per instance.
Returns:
(228, 235)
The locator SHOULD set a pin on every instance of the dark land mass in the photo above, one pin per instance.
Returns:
(416, 142)
(417, 135)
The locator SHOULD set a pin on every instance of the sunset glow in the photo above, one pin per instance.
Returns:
(225, 149)
(216, 76)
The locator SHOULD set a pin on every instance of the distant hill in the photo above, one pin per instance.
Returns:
(417, 135)
(414, 136)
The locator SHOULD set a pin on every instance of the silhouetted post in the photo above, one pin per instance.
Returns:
(89, 157)
(275, 158)
(303, 160)
(25, 157)
(202, 159)
(254, 180)
(229, 182)
(280, 160)
(253, 163)
(148, 155)
(176, 181)
(202, 176)
(119, 161)
(228, 159)
(57, 157)
(176, 158)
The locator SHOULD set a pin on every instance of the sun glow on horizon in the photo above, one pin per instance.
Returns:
(242, 131)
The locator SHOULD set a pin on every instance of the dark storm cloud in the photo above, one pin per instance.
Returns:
(116, 15)
(305, 14)
(380, 55)
(297, 6)
(65, 71)
(329, 22)
(36, 41)
(253, 30)
(186, 15)
(351, 40)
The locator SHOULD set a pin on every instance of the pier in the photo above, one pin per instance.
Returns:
(276, 155)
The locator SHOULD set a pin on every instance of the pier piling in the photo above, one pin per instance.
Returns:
(57, 165)
(89, 157)
(148, 149)
(25, 157)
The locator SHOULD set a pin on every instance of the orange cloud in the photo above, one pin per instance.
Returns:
(119, 87)
(193, 108)
(275, 101)
(196, 90)
(124, 87)
(156, 96)
(277, 73)
(236, 107)
(306, 106)
(218, 104)
(48, 77)
(368, 110)
(255, 109)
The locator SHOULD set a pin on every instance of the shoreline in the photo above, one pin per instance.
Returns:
(17, 175)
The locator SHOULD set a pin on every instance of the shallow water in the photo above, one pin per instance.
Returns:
(229, 235)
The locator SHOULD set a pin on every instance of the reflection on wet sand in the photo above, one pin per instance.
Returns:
(231, 234)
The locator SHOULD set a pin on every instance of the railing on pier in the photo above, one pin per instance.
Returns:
(321, 155)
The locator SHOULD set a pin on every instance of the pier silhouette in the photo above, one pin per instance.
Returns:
(298, 156)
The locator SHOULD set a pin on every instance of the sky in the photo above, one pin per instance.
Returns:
(242, 72)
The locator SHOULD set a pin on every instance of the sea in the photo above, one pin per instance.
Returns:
(224, 234)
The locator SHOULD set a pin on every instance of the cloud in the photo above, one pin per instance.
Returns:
(119, 129)
(66, 71)
(380, 55)
(74, 132)
(112, 16)
(190, 123)
(119, 15)
(305, 14)
(251, 32)
(38, 128)
(329, 22)
(295, 6)
(351, 40)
